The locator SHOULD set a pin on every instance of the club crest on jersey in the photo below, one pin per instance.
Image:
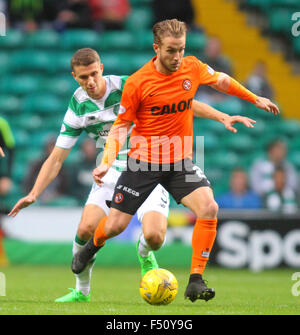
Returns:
(119, 197)
(187, 84)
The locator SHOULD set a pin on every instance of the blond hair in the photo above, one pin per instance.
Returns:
(85, 57)
(172, 28)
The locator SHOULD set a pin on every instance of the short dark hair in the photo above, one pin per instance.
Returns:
(85, 57)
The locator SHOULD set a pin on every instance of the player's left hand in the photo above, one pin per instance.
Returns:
(99, 172)
(267, 105)
(231, 120)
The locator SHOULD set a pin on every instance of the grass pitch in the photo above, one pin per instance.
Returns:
(115, 291)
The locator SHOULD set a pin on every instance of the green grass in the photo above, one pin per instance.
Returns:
(33, 289)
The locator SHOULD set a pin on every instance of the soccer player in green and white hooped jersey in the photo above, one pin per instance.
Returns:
(93, 108)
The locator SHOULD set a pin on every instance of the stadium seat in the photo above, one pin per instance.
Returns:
(294, 158)
(22, 137)
(14, 39)
(195, 41)
(280, 20)
(40, 137)
(62, 63)
(63, 201)
(137, 3)
(10, 104)
(144, 40)
(43, 103)
(79, 38)
(5, 63)
(296, 45)
(42, 39)
(117, 63)
(231, 106)
(30, 61)
(19, 85)
(289, 128)
(117, 40)
(239, 143)
(27, 122)
(139, 59)
(139, 19)
(63, 86)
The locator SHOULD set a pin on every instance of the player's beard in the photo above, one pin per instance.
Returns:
(170, 67)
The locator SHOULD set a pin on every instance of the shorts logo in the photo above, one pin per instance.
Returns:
(119, 197)
(187, 85)
(205, 254)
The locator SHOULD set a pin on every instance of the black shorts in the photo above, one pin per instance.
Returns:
(134, 186)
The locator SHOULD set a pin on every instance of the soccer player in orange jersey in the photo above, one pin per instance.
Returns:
(158, 100)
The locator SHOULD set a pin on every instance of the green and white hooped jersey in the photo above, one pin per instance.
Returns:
(95, 117)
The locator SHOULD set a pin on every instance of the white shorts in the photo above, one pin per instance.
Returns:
(157, 201)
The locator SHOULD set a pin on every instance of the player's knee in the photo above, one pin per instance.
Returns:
(114, 228)
(85, 230)
(209, 210)
(155, 239)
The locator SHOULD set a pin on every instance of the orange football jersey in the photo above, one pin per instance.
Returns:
(160, 105)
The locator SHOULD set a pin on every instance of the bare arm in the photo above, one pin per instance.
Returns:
(47, 174)
(203, 110)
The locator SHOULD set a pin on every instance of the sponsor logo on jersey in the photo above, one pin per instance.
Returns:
(181, 106)
(187, 84)
(119, 197)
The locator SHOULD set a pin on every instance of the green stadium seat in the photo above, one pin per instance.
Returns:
(215, 127)
(296, 45)
(40, 137)
(42, 39)
(144, 40)
(117, 63)
(14, 39)
(231, 106)
(239, 143)
(195, 41)
(22, 138)
(5, 63)
(137, 3)
(117, 40)
(10, 104)
(27, 122)
(63, 86)
(63, 201)
(294, 145)
(62, 63)
(289, 128)
(139, 19)
(280, 20)
(140, 59)
(22, 84)
(79, 38)
(43, 103)
(224, 159)
(294, 158)
(31, 61)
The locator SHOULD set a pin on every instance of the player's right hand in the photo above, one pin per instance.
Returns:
(99, 173)
(1, 152)
(22, 203)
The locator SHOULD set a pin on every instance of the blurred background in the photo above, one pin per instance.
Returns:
(255, 174)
